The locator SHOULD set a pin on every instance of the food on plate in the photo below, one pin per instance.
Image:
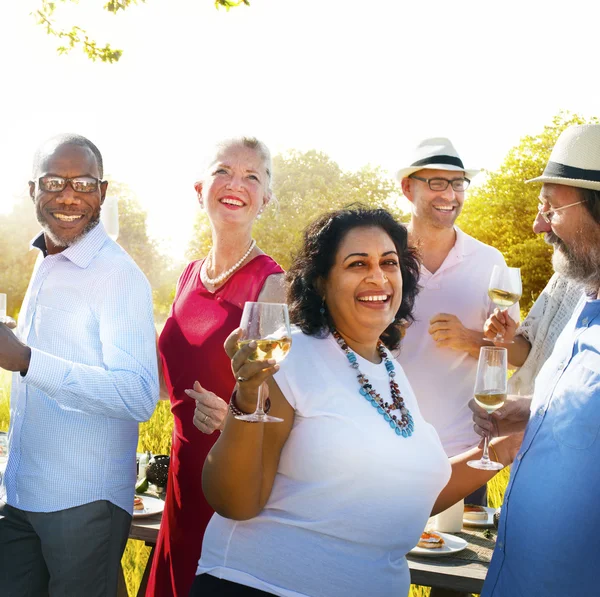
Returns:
(475, 513)
(430, 540)
(138, 503)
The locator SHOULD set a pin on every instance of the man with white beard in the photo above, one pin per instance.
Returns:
(551, 500)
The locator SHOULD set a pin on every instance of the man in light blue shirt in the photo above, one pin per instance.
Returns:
(546, 540)
(85, 375)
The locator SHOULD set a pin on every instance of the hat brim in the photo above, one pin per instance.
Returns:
(568, 182)
(404, 172)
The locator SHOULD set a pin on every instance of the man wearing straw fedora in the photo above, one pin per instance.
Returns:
(546, 538)
(441, 348)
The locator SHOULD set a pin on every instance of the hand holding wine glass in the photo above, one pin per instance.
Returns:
(490, 393)
(265, 341)
(505, 290)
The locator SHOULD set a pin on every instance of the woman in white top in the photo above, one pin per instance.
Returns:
(328, 502)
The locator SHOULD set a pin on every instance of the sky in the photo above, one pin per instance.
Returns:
(361, 80)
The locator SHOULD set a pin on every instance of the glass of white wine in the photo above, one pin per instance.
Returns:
(267, 324)
(505, 290)
(490, 394)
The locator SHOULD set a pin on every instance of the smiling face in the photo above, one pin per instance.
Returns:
(67, 215)
(363, 290)
(436, 208)
(573, 233)
(236, 186)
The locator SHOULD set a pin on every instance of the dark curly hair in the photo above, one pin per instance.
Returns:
(315, 259)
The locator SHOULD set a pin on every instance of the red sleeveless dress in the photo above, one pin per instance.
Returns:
(191, 348)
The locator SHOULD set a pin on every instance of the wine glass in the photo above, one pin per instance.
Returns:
(267, 324)
(110, 217)
(490, 394)
(505, 290)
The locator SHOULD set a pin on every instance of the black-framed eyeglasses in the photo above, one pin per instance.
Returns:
(441, 184)
(549, 214)
(80, 184)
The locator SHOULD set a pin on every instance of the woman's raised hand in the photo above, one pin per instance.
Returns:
(249, 374)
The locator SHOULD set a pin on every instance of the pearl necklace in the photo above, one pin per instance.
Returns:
(402, 423)
(207, 280)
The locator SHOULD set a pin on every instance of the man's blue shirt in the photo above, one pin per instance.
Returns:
(87, 317)
(550, 517)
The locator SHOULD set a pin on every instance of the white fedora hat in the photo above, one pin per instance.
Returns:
(575, 159)
(436, 153)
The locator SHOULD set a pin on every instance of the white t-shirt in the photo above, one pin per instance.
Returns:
(442, 378)
(350, 497)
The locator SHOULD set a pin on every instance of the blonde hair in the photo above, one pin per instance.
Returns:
(252, 143)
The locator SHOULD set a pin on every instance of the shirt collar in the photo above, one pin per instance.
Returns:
(83, 251)
(464, 244)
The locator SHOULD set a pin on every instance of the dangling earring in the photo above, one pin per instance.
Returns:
(259, 214)
(322, 311)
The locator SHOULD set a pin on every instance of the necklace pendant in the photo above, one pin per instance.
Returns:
(403, 424)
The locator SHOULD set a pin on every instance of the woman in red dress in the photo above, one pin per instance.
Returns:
(208, 306)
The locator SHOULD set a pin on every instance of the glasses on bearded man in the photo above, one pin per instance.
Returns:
(549, 214)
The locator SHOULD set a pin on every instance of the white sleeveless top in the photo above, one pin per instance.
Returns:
(350, 497)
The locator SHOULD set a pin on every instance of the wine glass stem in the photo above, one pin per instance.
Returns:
(260, 403)
(485, 457)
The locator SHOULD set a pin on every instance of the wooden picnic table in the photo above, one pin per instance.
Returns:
(463, 571)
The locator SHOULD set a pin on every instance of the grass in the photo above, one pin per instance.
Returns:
(155, 435)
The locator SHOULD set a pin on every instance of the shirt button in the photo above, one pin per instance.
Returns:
(519, 457)
(500, 545)
(540, 411)
(584, 321)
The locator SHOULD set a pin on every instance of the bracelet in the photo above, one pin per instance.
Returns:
(494, 452)
(237, 412)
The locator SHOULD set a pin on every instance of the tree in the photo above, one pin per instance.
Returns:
(501, 211)
(306, 185)
(161, 272)
(76, 37)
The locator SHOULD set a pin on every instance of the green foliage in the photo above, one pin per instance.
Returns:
(228, 4)
(501, 211)
(76, 37)
(306, 185)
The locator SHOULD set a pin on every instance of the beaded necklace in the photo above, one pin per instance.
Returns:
(402, 423)
(206, 279)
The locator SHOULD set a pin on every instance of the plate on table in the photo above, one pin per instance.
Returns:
(152, 506)
(482, 523)
(451, 545)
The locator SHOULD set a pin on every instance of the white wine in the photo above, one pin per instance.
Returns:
(491, 400)
(276, 348)
(503, 298)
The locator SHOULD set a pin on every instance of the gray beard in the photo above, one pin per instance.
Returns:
(577, 263)
(63, 242)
